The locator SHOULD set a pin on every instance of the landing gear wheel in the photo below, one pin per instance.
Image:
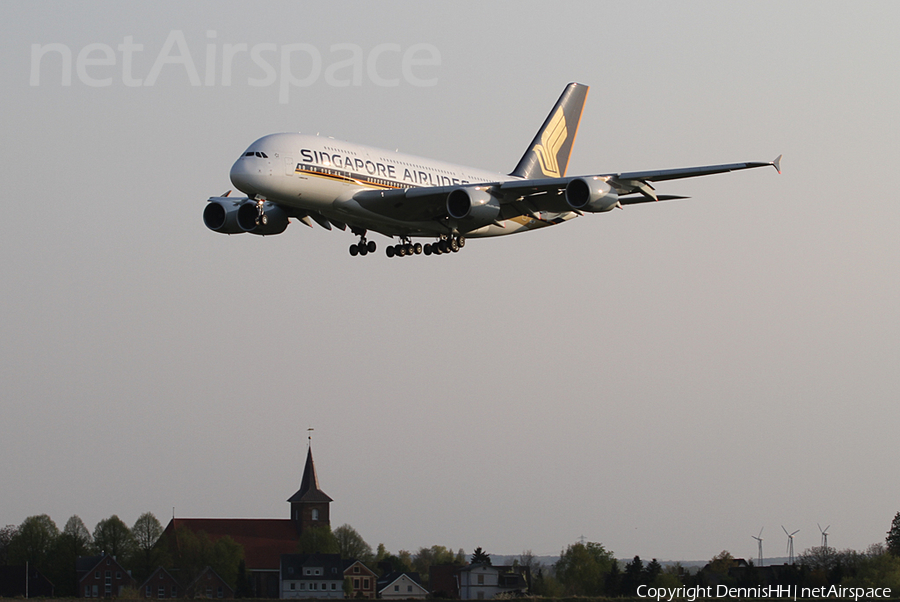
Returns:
(454, 245)
(389, 251)
(363, 249)
(401, 250)
(462, 241)
(371, 246)
(417, 248)
(354, 250)
(427, 249)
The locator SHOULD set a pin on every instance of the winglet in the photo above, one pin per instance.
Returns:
(777, 163)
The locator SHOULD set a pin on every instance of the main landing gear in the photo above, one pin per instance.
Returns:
(363, 247)
(446, 244)
(404, 248)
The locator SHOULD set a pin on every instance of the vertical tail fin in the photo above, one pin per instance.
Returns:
(548, 155)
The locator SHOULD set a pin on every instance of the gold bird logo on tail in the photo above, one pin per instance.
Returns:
(551, 141)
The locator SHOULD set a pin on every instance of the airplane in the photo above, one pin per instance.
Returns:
(346, 185)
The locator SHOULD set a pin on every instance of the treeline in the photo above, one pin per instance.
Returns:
(39, 543)
(585, 569)
(141, 548)
(588, 569)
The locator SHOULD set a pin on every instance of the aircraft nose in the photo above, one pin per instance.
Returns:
(244, 175)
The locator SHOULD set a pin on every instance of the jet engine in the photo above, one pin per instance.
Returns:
(273, 220)
(220, 215)
(591, 194)
(472, 207)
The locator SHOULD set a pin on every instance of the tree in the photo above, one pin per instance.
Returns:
(633, 576)
(352, 545)
(318, 540)
(6, 535)
(112, 536)
(78, 536)
(381, 553)
(227, 555)
(876, 571)
(146, 532)
(528, 560)
(425, 558)
(242, 588)
(191, 552)
(652, 571)
(479, 556)
(74, 541)
(390, 563)
(613, 580)
(582, 569)
(893, 536)
(34, 541)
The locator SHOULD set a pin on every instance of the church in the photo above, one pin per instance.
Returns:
(265, 539)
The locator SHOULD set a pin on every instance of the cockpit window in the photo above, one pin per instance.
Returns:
(248, 154)
(256, 154)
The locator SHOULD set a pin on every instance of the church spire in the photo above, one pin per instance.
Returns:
(309, 485)
(309, 506)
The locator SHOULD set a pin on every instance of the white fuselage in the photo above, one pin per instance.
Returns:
(316, 174)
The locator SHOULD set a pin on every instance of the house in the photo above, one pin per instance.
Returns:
(24, 581)
(362, 579)
(209, 584)
(444, 580)
(101, 577)
(484, 581)
(161, 584)
(401, 586)
(312, 576)
(265, 539)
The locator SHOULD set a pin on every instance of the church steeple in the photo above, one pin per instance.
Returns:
(310, 505)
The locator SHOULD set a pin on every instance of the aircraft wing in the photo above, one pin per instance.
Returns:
(529, 196)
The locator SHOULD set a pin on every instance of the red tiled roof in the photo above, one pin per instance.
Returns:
(264, 539)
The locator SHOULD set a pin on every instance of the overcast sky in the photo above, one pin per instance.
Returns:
(665, 380)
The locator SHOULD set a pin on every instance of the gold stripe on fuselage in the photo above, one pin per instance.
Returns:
(380, 183)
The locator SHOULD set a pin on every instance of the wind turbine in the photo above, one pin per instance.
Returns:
(824, 534)
(790, 546)
(759, 539)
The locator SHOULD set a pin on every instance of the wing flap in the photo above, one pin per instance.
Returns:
(405, 204)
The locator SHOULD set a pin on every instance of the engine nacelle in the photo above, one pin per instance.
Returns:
(591, 194)
(473, 208)
(220, 215)
(276, 220)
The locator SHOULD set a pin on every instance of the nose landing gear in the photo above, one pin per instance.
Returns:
(261, 218)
